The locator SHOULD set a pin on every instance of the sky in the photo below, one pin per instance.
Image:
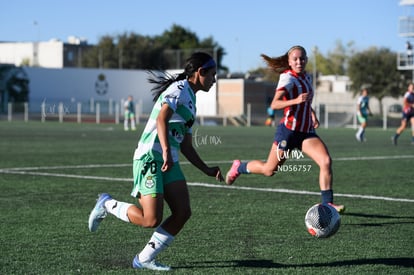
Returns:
(245, 29)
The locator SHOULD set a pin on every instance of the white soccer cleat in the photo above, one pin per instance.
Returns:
(98, 213)
(153, 265)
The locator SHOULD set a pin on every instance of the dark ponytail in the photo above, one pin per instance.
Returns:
(162, 80)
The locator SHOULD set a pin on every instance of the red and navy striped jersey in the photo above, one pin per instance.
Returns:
(409, 100)
(297, 117)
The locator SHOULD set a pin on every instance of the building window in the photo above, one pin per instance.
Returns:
(70, 56)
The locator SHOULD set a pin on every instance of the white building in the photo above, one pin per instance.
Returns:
(49, 54)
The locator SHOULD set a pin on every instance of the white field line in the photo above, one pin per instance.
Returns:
(86, 166)
(276, 190)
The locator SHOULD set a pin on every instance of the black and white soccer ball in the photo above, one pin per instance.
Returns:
(322, 220)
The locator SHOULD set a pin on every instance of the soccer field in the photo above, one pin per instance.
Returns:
(51, 173)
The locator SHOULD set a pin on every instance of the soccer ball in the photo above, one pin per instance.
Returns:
(322, 220)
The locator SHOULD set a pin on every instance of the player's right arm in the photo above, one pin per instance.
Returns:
(278, 102)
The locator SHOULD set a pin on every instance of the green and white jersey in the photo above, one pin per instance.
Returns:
(181, 99)
(363, 102)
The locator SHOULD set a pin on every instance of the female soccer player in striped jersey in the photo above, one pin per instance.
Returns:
(156, 170)
(296, 130)
(407, 114)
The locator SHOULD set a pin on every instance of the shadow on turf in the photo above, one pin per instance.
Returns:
(377, 216)
(402, 262)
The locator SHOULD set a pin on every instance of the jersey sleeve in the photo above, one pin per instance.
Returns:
(172, 99)
(285, 83)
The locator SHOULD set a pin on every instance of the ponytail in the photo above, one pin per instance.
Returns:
(281, 63)
(162, 80)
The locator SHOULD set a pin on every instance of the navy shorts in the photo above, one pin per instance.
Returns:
(288, 140)
(407, 116)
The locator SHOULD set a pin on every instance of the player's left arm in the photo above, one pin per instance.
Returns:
(369, 109)
(188, 150)
(359, 108)
(314, 119)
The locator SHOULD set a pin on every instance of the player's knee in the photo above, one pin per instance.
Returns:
(182, 216)
(151, 222)
(185, 215)
(268, 172)
(326, 162)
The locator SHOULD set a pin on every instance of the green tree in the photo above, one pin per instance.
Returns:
(376, 68)
(107, 53)
(336, 61)
(218, 52)
(102, 55)
(166, 51)
(138, 52)
(339, 57)
(178, 38)
(179, 43)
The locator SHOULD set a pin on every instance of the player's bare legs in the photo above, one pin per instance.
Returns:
(401, 129)
(177, 196)
(402, 126)
(412, 129)
(151, 213)
(268, 167)
(317, 151)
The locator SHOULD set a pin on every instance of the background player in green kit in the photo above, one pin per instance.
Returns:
(363, 111)
(156, 170)
(129, 114)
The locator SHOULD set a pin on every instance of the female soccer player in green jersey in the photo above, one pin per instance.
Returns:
(156, 170)
(363, 111)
